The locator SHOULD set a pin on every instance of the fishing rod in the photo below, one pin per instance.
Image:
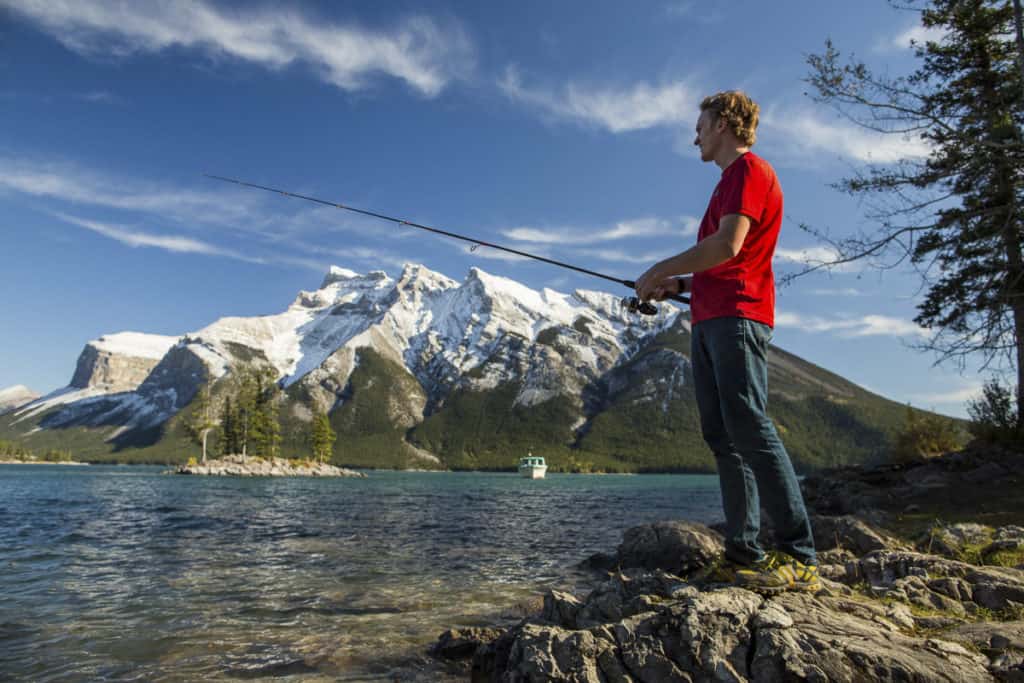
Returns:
(633, 303)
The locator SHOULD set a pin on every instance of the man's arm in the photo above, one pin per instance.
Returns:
(708, 253)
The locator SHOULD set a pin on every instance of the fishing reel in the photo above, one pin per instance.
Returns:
(634, 305)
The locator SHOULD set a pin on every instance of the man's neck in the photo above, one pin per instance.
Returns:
(730, 155)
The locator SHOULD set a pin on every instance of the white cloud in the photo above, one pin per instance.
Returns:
(70, 183)
(616, 109)
(956, 397)
(100, 97)
(639, 227)
(851, 327)
(614, 255)
(174, 243)
(816, 256)
(418, 51)
(911, 36)
(805, 135)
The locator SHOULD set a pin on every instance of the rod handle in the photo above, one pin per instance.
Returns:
(674, 297)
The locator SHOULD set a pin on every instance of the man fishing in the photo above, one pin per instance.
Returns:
(732, 310)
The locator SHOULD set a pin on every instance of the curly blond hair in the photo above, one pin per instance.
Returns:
(740, 113)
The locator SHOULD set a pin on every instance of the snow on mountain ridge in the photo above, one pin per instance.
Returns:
(437, 328)
(136, 344)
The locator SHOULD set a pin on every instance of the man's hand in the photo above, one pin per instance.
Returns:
(666, 288)
(653, 281)
(655, 285)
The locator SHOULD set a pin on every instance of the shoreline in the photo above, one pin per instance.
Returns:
(912, 587)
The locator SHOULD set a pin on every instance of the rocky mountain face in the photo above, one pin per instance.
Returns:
(427, 371)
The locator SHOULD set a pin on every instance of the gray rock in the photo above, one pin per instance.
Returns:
(462, 643)
(914, 590)
(715, 633)
(625, 594)
(850, 533)
(549, 653)
(987, 472)
(677, 547)
(828, 644)
(991, 635)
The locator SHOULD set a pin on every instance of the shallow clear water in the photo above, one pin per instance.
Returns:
(123, 573)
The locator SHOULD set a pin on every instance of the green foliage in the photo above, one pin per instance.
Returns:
(9, 450)
(995, 416)
(230, 441)
(955, 214)
(925, 436)
(322, 437)
(57, 455)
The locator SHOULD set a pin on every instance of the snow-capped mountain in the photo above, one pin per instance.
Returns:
(435, 327)
(15, 397)
(441, 366)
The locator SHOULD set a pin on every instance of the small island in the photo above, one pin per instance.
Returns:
(253, 466)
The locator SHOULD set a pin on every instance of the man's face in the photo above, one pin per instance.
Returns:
(708, 135)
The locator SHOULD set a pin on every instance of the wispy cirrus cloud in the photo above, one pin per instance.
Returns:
(638, 227)
(627, 256)
(418, 50)
(953, 397)
(862, 326)
(816, 256)
(69, 182)
(795, 134)
(615, 108)
(805, 135)
(134, 238)
(910, 37)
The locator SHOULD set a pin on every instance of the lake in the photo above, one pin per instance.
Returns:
(124, 573)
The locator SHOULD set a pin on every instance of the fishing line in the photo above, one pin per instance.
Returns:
(631, 302)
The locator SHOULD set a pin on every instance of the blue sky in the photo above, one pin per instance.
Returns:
(560, 128)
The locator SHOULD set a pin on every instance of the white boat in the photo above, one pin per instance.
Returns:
(532, 467)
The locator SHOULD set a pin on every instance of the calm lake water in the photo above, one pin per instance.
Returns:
(123, 573)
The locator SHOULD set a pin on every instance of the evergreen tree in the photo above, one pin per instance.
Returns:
(245, 402)
(262, 397)
(322, 436)
(956, 212)
(230, 441)
(201, 421)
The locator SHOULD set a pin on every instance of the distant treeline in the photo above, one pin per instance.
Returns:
(9, 450)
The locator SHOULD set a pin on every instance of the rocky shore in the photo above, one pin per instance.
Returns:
(913, 591)
(248, 466)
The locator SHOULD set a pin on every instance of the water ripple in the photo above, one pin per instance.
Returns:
(122, 573)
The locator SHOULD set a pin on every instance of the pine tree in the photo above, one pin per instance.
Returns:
(262, 397)
(956, 213)
(322, 436)
(246, 403)
(229, 428)
(201, 421)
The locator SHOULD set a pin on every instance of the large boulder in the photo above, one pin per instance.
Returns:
(677, 547)
(850, 533)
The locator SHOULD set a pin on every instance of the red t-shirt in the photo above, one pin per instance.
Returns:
(743, 286)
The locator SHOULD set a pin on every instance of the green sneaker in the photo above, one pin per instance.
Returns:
(779, 572)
